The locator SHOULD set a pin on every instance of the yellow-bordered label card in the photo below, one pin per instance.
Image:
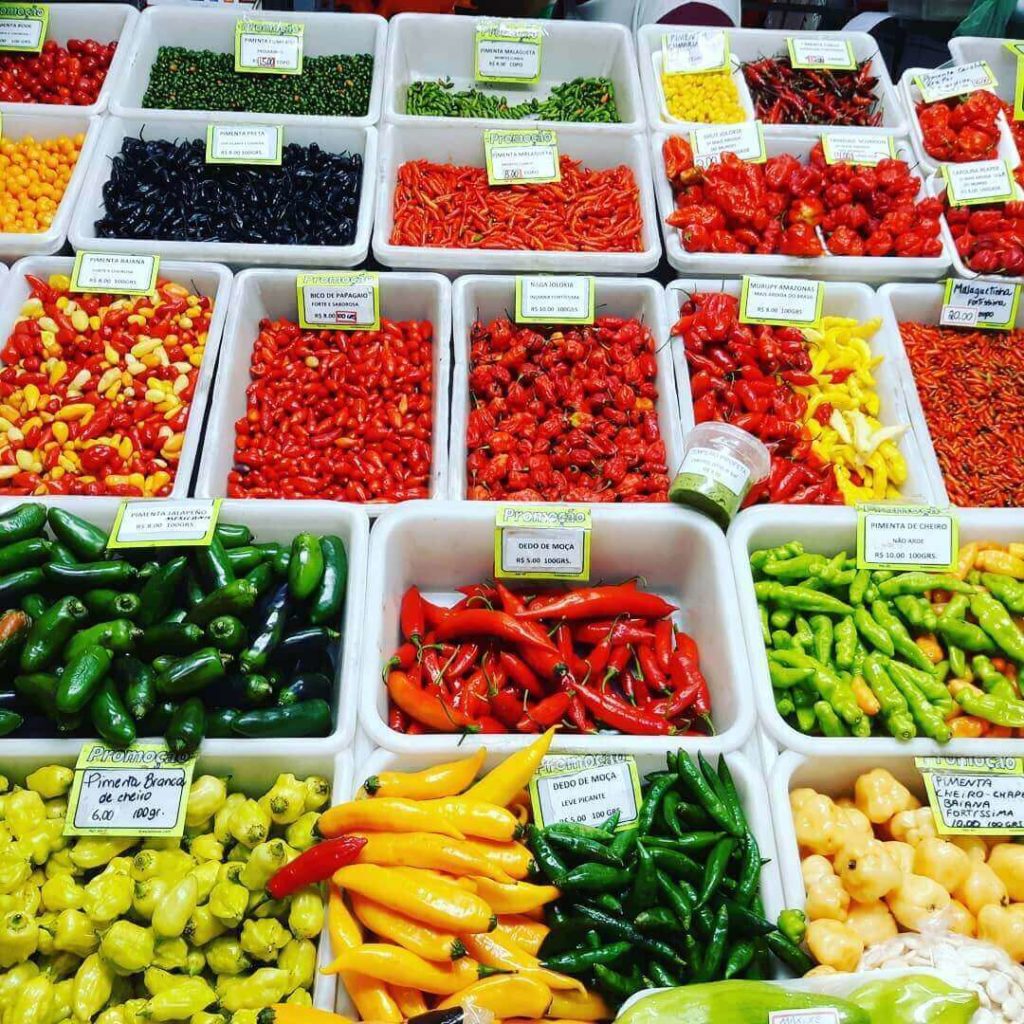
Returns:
(693, 51)
(23, 27)
(781, 301)
(141, 791)
(988, 305)
(980, 796)
(821, 51)
(244, 144)
(542, 542)
(339, 300)
(165, 523)
(983, 181)
(746, 140)
(924, 538)
(1018, 90)
(857, 148)
(554, 299)
(116, 273)
(942, 83)
(264, 47)
(508, 50)
(586, 789)
(517, 156)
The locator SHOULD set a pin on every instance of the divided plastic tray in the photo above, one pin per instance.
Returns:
(681, 555)
(891, 375)
(103, 22)
(485, 297)
(249, 772)
(210, 279)
(828, 530)
(334, 139)
(432, 47)
(748, 44)
(922, 303)
(463, 145)
(269, 521)
(205, 29)
(43, 127)
(869, 269)
(260, 294)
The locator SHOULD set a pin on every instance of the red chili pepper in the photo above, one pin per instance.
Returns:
(485, 622)
(602, 601)
(463, 659)
(654, 677)
(411, 615)
(663, 642)
(429, 709)
(314, 865)
(57, 74)
(521, 673)
(621, 631)
(544, 714)
(608, 708)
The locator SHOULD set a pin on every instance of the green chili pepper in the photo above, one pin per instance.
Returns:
(138, 682)
(800, 598)
(711, 962)
(691, 778)
(995, 620)
(677, 864)
(714, 869)
(928, 684)
(585, 849)
(86, 540)
(894, 706)
(690, 842)
(245, 559)
(33, 605)
(112, 604)
(828, 721)
(81, 679)
(926, 715)
(118, 636)
(227, 633)
(157, 593)
(965, 635)
(580, 961)
(615, 985)
(877, 636)
(662, 976)
(305, 718)
(846, 642)
(306, 568)
(109, 716)
(992, 680)
(859, 586)
(917, 612)
(766, 631)
(575, 828)
(1005, 589)
(760, 559)
(829, 685)
(781, 618)
(14, 584)
(645, 883)
(185, 729)
(797, 568)
(25, 520)
(651, 802)
(803, 635)
(177, 638)
(739, 958)
(213, 565)
(750, 870)
(261, 577)
(233, 535)
(920, 582)
(789, 953)
(192, 673)
(593, 877)
(24, 554)
(330, 593)
(89, 575)
(658, 919)
(993, 709)
(550, 864)
(793, 924)
(957, 662)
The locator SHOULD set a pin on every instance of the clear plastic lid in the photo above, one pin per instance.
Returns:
(724, 437)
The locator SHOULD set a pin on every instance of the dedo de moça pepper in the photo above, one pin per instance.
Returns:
(159, 664)
(564, 413)
(95, 390)
(338, 415)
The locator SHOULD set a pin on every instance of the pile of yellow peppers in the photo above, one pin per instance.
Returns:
(851, 437)
(435, 912)
(129, 931)
(706, 97)
(873, 865)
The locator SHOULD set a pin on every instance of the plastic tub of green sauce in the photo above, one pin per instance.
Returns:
(720, 465)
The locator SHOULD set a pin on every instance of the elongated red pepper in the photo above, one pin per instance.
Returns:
(624, 631)
(314, 865)
(544, 714)
(484, 622)
(521, 674)
(411, 615)
(431, 709)
(663, 642)
(608, 708)
(653, 675)
(597, 602)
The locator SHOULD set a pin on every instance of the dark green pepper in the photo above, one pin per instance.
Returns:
(245, 559)
(305, 686)
(138, 682)
(14, 584)
(185, 730)
(330, 594)
(104, 603)
(232, 599)
(192, 673)
(268, 629)
(87, 575)
(220, 721)
(50, 632)
(213, 565)
(226, 633)
(24, 554)
(33, 605)
(232, 535)
(118, 636)
(306, 718)
(25, 520)
(306, 567)
(81, 679)
(158, 592)
(170, 638)
(85, 540)
(110, 718)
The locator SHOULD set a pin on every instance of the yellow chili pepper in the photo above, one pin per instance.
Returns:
(420, 895)
(318, 792)
(298, 958)
(526, 934)
(513, 858)
(254, 991)
(148, 895)
(428, 850)
(128, 948)
(285, 801)
(75, 934)
(410, 1000)
(401, 967)
(249, 823)
(61, 892)
(389, 814)
(501, 784)
(94, 981)
(222, 819)
(262, 939)
(424, 941)
(202, 927)
(170, 954)
(508, 995)
(286, 1013)
(440, 780)
(586, 1007)
(306, 914)
(1001, 562)
(187, 996)
(228, 903)
(708, 97)
(205, 798)
(89, 853)
(495, 950)
(866, 699)
(514, 897)
(965, 561)
(173, 911)
(51, 780)
(302, 833)
(265, 859)
(225, 956)
(477, 817)
(19, 937)
(33, 1004)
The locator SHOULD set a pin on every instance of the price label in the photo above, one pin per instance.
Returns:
(854, 148)
(269, 47)
(684, 53)
(586, 789)
(746, 140)
(981, 796)
(508, 51)
(518, 155)
(817, 1015)
(781, 301)
(141, 791)
(821, 52)
(542, 542)
(555, 300)
(23, 27)
(711, 464)
(186, 522)
(991, 305)
(984, 181)
(339, 300)
(114, 272)
(942, 83)
(244, 144)
(921, 537)
(1018, 90)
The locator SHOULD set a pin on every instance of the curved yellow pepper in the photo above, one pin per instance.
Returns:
(388, 814)
(511, 994)
(585, 1007)
(514, 897)
(428, 850)
(494, 950)
(424, 941)
(401, 967)
(477, 818)
(439, 780)
(501, 784)
(526, 934)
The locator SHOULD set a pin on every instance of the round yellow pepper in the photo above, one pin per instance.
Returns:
(33, 178)
(707, 97)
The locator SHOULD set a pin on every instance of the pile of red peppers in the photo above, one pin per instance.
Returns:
(746, 374)
(499, 660)
(961, 129)
(785, 207)
(989, 238)
(71, 75)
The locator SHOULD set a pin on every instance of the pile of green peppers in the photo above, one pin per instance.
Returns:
(855, 653)
(233, 639)
(672, 900)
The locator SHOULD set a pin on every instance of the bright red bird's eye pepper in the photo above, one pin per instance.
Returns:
(314, 865)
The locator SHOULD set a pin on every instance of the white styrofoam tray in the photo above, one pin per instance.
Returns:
(463, 145)
(202, 28)
(334, 139)
(922, 303)
(269, 521)
(968, 49)
(828, 530)
(209, 279)
(749, 44)
(484, 297)
(103, 22)
(735, 72)
(429, 47)
(859, 302)
(440, 546)
(833, 268)
(43, 127)
(248, 772)
(271, 294)
(910, 94)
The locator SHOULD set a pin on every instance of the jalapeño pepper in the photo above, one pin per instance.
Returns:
(87, 575)
(192, 673)
(24, 554)
(86, 540)
(25, 520)
(185, 730)
(117, 635)
(231, 599)
(306, 567)
(50, 632)
(104, 603)
(81, 678)
(271, 619)
(157, 594)
(110, 717)
(226, 633)
(138, 682)
(330, 594)
(306, 718)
